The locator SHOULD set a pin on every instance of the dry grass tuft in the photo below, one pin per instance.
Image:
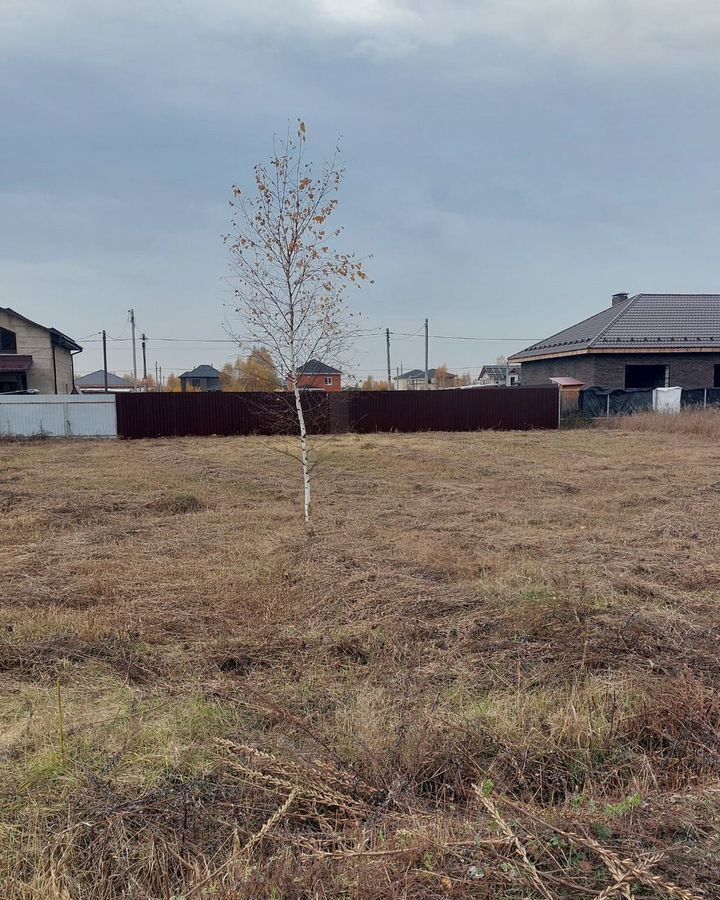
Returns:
(178, 503)
(492, 672)
(696, 422)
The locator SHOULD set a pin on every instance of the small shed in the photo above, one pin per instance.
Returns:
(569, 395)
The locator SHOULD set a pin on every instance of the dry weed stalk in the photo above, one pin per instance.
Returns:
(285, 775)
(249, 846)
(623, 871)
(515, 842)
(627, 870)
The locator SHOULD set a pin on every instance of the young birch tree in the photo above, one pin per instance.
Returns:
(291, 277)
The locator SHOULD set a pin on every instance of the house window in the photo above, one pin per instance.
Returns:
(196, 383)
(12, 381)
(646, 377)
(8, 344)
(328, 380)
(716, 380)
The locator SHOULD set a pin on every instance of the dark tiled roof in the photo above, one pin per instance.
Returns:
(315, 367)
(496, 371)
(202, 372)
(662, 321)
(13, 362)
(416, 374)
(97, 379)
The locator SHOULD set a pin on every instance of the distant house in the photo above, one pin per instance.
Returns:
(645, 341)
(201, 378)
(33, 357)
(317, 376)
(414, 380)
(495, 375)
(94, 383)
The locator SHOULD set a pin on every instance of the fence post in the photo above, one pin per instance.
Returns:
(607, 407)
(66, 420)
(559, 402)
(705, 398)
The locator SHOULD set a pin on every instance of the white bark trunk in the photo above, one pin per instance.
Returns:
(305, 452)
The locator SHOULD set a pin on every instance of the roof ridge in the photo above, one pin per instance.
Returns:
(627, 304)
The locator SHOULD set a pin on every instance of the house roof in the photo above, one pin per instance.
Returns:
(647, 321)
(315, 367)
(13, 362)
(97, 379)
(57, 337)
(202, 372)
(496, 371)
(415, 374)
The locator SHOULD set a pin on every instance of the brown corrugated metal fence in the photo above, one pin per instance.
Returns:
(168, 415)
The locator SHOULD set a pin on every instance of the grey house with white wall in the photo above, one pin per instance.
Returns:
(644, 341)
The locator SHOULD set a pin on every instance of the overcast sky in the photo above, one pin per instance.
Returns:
(510, 163)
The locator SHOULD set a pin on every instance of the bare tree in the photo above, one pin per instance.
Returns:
(291, 279)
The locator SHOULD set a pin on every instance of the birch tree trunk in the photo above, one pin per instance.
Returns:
(305, 453)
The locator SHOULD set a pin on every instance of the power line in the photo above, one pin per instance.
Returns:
(459, 337)
(250, 340)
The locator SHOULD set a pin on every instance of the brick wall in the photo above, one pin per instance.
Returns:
(687, 370)
(540, 371)
(318, 382)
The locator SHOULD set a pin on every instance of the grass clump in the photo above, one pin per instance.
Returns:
(178, 503)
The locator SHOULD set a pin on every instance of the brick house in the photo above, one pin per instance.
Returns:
(645, 341)
(316, 376)
(33, 357)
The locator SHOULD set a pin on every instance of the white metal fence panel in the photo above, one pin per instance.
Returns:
(35, 415)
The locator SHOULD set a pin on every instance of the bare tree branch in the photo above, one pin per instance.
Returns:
(292, 280)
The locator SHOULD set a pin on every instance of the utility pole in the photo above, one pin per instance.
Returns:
(427, 380)
(105, 360)
(387, 341)
(161, 381)
(144, 361)
(131, 313)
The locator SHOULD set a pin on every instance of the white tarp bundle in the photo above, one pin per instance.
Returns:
(667, 400)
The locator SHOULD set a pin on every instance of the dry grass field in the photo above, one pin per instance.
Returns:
(492, 672)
